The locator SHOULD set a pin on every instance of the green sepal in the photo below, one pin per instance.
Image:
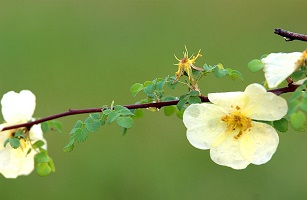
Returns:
(281, 125)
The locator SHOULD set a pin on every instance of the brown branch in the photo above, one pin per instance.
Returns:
(290, 36)
(279, 91)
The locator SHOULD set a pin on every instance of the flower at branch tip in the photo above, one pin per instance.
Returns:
(226, 127)
(186, 64)
(18, 108)
(279, 66)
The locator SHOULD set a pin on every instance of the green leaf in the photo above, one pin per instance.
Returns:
(208, 68)
(45, 127)
(193, 100)
(41, 157)
(124, 130)
(298, 120)
(194, 93)
(93, 126)
(6, 142)
(219, 72)
(293, 106)
(169, 110)
(19, 134)
(51, 165)
(78, 125)
(281, 125)
(303, 104)
(113, 116)
(234, 74)
(149, 89)
(138, 113)
(160, 85)
(169, 98)
(38, 144)
(170, 84)
(136, 88)
(81, 135)
(43, 169)
(255, 65)
(70, 146)
(125, 122)
(123, 110)
(14, 142)
(179, 114)
(181, 103)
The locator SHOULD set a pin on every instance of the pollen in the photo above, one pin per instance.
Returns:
(237, 121)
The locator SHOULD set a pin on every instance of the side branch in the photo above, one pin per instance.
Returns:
(28, 125)
(290, 36)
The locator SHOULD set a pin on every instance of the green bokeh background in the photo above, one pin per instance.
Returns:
(82, 54)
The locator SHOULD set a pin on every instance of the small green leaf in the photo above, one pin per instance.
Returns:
(125, 122)
(81, 135)
(14, 142)
(234, 74)
(170, 83)
(138, 113)
(169, 110)
(298, 120)
(160, 85)
(208, 68)
(38, 144)
(93, 126)
(255, 65)
(124, 130)
(51, 165)
(303, 104)
(219, 72)
(149, 89)
(193, 100)
(281, 125)
(136, 88)
(181, 103)
(194, 93)
(6, 142)
(113, 116)
(70, 146)
(19, 134)
(43, 169)
(41, 157)
(45, 127)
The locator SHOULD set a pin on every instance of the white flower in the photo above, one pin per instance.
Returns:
(18, 108)
(279, 66)
(226, 127)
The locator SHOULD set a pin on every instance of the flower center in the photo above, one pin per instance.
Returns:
(236, 120)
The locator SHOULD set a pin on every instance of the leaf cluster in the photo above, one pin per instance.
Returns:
(80, 132)
(43, 163)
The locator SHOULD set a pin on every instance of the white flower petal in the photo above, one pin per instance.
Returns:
(266, 141)
(18, 107)
(203, 122)
(264, 105)
(279, 66)
(229, 100)
(229, 152)
(16, 162)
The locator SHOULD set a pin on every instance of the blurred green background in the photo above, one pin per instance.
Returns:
(82, 54)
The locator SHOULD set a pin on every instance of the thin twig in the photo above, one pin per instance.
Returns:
(279, 91)
(290, 36)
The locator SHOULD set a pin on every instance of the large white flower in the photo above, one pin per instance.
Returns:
(18, 108)
(226, 127)
(279, 66)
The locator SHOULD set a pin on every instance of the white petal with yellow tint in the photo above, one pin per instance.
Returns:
(264, 105)
(279, 66)
(229, 152)
(228, 100)
(203, 122)
(18, 107)
(266, 141)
